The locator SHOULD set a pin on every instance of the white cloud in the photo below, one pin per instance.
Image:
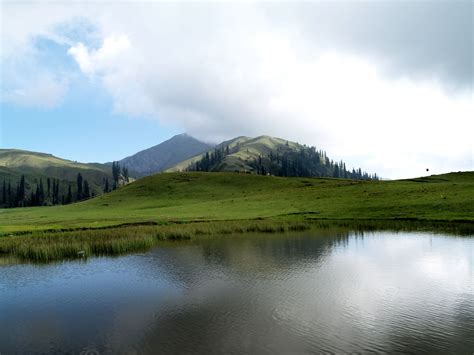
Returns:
(101, 60)
(221, 70)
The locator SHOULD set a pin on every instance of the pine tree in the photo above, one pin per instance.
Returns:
(79, 187)
(125, 174)
(69, 195)
(32, 198)
(37, 194)
(21, 192)
(116, 174)
(53, 197)
(41, 193)
(49, 188)
(9, 194)
(4, 193)
(106, 185)
(86, 190)
(57, 191)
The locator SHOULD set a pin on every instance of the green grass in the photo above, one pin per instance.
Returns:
(50, 246)
(227, 196)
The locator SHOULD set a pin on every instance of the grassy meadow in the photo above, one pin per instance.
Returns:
(183, 205)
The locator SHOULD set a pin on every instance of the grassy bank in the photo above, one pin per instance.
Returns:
(174, 197)
(49, 246)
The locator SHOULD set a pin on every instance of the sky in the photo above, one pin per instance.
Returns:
(383, 85)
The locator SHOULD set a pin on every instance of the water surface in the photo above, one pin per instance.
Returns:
(294, 293)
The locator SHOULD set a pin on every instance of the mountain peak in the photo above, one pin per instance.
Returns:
(164, 155)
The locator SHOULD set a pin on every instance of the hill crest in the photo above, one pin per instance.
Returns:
(164, 155)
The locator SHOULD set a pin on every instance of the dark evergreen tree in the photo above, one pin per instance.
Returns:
(116, 174)
(4, 193)
(55, 196)
(69, 195)
(125, 174)
(37, 201)
(40, 193)
(48, 181)
(79, 187)
(21, 192)
(9, 194)
(32, 198)
(106, 185)
(87, 193)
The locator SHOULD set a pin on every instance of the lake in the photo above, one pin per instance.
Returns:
(312, 292)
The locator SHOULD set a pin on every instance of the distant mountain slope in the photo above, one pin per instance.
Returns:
(35, 166)
(242, 150)
(268, 155)
(164, 155)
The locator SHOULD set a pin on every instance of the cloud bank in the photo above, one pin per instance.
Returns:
(387, 86)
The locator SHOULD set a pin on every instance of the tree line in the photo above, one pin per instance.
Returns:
(285, 161)
(21, 194)
(210, 161)
(306, 162)
(54, 192)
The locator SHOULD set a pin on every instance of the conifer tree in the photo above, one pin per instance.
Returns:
(21, 192)
(116, 174)
(125, 173)
(86, 189)
(79, 187)
(41, 193)
(9, 194)
(49, 188)
(4, 193)
(69, 195)
(106, 185)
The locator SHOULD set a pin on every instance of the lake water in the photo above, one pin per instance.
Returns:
(298, 293)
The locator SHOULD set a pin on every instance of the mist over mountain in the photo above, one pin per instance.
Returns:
(164, 155)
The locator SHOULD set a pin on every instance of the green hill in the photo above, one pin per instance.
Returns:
(267, 155)
(35, 166)
(229, 196)
(243, 150)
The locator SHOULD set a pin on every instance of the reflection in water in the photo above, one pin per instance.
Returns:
(294, 293)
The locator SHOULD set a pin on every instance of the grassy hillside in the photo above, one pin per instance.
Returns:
(243, 150)
(267, 155)
(230, 196)
(35, 166)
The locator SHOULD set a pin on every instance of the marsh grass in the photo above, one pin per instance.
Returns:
(50, 246)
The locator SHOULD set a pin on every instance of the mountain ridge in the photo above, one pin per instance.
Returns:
(269, 155)
(164, 155)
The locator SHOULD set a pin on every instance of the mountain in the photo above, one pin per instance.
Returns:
(164, 155)
(35, 166)
(268, 155)
(243, 150)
